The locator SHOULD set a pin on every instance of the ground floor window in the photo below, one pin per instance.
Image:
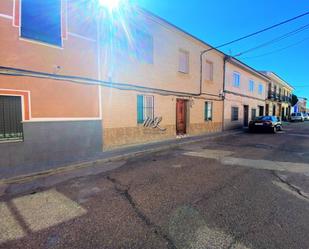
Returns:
(10, 118)
(145, 108)
(235, 114)
(267, 109)
(253, 113)
(208, 111)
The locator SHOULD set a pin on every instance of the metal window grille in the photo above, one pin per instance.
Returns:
(208, 111)
(235, 114)
(148, 107)
(11, 127)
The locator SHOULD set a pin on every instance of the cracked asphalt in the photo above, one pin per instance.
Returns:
(245, 191)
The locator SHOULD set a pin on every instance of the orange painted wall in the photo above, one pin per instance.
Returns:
(6, 7)
(77, 57)
(56, 99)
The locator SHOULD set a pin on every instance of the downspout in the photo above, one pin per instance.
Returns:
(201, 70)
(223, 92)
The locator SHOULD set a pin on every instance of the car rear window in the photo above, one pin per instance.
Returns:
(293, 114)
(265, 118)
(298, 114)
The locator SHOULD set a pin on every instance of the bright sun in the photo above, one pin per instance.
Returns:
(110, 4)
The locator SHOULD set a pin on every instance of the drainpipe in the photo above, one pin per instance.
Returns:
(201, 69)
(223, 91)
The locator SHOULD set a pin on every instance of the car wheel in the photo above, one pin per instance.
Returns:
(280, 128)
(274, 130)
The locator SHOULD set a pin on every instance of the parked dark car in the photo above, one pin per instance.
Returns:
(266, 123)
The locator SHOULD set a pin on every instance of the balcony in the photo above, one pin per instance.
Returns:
(286, 99)
(272, 95)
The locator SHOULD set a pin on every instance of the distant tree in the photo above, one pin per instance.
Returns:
(294, 100)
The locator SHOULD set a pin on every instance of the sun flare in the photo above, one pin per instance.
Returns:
(109, 4)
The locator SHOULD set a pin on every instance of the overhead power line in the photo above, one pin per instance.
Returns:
(258, 32)
(277, 50)
(282, 37)
(301, 86)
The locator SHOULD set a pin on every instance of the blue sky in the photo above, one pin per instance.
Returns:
(217, 22)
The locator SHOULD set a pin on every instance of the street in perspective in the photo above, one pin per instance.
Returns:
(236, 191)
(141, 124)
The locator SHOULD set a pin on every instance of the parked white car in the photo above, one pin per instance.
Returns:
(297, 116)
(306, 116)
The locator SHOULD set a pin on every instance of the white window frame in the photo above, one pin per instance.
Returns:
(251, 85)
(63, 11)
(184, 68)
(138, 36)
(146, 107)
(238, 75)
(260, 89)
(209, 70)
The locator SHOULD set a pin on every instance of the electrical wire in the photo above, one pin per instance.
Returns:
(258, 32)
(277, 50)
(282, 37)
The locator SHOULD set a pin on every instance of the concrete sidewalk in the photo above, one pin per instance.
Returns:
(103, 162)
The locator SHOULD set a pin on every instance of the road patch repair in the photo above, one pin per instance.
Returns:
(189, 229)
(35, 212)
(226, 158)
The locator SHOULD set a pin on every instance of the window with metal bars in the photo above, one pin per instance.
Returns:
(208, 111)
(11, 127)
(235, 113)
(145, 108)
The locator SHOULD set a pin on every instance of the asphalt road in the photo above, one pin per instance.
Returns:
(246, 191)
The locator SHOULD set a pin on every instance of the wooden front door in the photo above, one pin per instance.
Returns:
(181, 114)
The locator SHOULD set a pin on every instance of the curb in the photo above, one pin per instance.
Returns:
(72, 167)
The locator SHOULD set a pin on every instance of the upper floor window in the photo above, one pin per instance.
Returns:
(183, 61)
(261, 89)
(251, 85)
(209, 70)
(236, 79)
(41, 21)
(144, 47)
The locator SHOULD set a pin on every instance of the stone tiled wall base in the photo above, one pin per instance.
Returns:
(117, 137)
(206, 127)
(231, 125)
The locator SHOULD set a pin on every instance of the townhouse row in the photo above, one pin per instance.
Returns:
(76, 79)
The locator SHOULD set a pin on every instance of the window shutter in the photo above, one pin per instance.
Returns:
(183, 62)
(140, 109)
(206, 111)
(210, 110)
